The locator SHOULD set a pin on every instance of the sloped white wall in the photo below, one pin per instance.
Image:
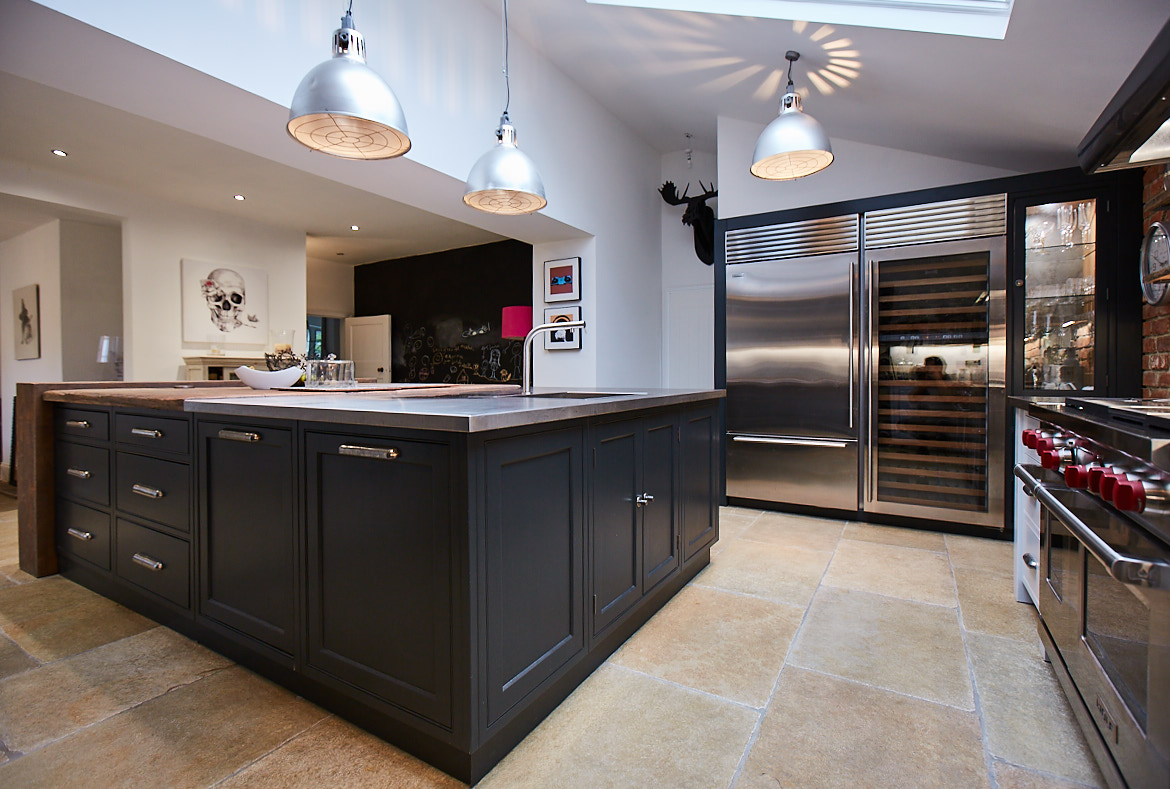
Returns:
(858, 170)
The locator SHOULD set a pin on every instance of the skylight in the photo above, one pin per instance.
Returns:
(974, 18)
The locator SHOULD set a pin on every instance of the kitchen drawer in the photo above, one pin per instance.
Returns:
(155, 489)
(154, 561)
(84, 533)
(154, 433)
(82, 471)
(80, 423)
(1027, 549)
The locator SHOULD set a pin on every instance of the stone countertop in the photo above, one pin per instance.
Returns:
(456, 412)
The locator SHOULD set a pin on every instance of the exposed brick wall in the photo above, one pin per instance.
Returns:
(1156, 320)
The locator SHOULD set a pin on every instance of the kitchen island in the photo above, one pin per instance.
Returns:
(442, 570)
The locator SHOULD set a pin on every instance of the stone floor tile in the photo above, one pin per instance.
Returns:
(797, 531)
(13, 573)
(43, 596)
(1026, 716)
(707, 639)
(899, 645)
(988, 604)
(191, 737)
(56, 700)
(981, 553)
(338, 754)
(895, 535)
(776, 572)
(13, 660)
(624, 729)
(6, 582)
(1009, 776)
(827, 732)
(70, 631)
(909, 573)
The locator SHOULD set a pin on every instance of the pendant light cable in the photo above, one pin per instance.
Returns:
(507, 82)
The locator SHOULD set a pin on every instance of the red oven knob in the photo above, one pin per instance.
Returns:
(1045, 443)
(1129, 495)
(1029, 437)
(1076, 476)
(1095, 475)
(1050, 458)
(1109, 482)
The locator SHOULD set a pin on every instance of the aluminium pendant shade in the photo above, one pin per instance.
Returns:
(505, 180)
(344, 108)
(794, 145)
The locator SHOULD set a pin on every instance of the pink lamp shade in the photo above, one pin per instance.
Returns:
(516, 323)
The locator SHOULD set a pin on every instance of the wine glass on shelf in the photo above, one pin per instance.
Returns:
(1066, 220)
(1085, 211)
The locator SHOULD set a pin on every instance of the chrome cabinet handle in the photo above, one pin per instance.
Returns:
(1030, 560)
(377, 453)
(154, 565)
(791, 442)
(145, 432)
(80, 473)
(239, 435)
(80, 424)
(148, 492)
(643, 500)
(79, 534)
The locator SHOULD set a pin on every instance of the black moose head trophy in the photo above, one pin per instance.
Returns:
(698, 215)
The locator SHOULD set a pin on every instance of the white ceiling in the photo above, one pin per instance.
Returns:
(1021, 104)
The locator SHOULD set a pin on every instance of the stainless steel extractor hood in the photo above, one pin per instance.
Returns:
(1134, 130)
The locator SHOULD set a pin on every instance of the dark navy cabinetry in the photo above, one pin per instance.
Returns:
(436, 587)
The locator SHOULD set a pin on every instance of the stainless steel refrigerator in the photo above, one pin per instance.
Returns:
(793, 363)
(865, 362)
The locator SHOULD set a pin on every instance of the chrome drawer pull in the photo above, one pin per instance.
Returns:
(1030, 560)
(145, 433)
(80, 424)
(79, 534)
(80, 473)
(154, 565)
(150, 493)
(644, 499)
(239, 435)
(378, 453)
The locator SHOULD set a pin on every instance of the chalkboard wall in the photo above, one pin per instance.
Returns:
(445, 311)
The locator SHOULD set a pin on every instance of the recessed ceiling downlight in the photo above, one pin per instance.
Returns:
(59, 152)
(238, 197)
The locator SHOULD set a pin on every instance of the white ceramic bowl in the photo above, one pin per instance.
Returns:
(269, 379)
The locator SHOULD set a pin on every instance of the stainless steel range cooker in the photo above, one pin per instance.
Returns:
(1104, 492)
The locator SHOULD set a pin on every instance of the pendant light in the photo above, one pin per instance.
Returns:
(505, 180)
(794, 145)
(343, 108)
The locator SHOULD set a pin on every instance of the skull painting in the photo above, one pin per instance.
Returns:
(224, 291)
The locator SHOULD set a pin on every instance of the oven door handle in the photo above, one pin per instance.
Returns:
(1130, 570)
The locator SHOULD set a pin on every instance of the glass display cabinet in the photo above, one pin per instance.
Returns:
(1060, 285)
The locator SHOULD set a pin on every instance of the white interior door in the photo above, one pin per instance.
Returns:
(367, 342)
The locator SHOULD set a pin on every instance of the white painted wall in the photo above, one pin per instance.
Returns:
(31, 258)
(156, 236)
(91, 297)
(688, 286)
(443, 60)
(577, 367)
(329, 288)
(858, 170)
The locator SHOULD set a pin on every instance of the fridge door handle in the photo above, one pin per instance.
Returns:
(868, 289)
(851, 345)
(791, 442)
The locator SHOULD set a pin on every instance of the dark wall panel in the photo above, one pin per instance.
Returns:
(445, 311)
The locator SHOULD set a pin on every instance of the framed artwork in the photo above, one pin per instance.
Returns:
(562, 280)
(563, 339)
(26, 310)
(224, 304)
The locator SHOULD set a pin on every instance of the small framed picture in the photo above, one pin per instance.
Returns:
(26, 309)
(564, 339)
(562, 280)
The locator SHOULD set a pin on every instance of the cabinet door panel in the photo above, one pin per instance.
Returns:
(700, 467)
(534, 518)
(617, 555)
(248, 532)
(659, 521)
(379, 569)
